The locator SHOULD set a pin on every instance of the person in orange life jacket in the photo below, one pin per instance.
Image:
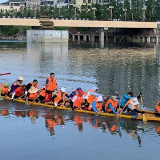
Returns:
(16, 84)
(125, 99)
(19, 92)
(111, 105)
(74, 92)
(96, 104)
(41, 94)
(91, 94)
(72, 95)
(51, 83)
(59, 97)
(34, 83)
(32, 95)
(132, 108)
(77, 100)
(157, 109)
(4, 89)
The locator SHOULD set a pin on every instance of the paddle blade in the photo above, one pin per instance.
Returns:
(4, 74)
(144, 118)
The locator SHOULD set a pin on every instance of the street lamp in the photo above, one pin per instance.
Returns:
(60, 10)
(94, 9)
(125, 11)
(75, 11)
(144, 9)
(111, 7)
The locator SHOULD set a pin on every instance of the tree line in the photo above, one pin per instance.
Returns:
(135, 10)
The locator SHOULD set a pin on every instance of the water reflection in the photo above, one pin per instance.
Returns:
(54, 118)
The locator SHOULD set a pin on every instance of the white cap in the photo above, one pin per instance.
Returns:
(63, 89)
(134, 101)
(95, 88)
(100, 99)
(20, 79)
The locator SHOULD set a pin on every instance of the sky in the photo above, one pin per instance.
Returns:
(1, 1)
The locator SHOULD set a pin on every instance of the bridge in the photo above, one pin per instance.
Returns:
(79, 23)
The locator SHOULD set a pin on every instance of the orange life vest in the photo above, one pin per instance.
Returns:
(52, 84)
(158, 107)
(114, 104)
(98, 105)
(33, 96)
(43, 93)
(4, 89)
(33, 113)
(78, 101)
(51, 123)
(72, 95)
(129, 102)
(36, 86)
(88, 97)
(60, 96)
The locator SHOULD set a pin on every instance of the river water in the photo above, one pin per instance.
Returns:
(34, 132)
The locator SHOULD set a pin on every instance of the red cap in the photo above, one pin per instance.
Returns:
(80, 92)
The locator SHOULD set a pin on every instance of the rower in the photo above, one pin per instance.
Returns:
(41, 94)
(32, 95)
(51, 85)
(59, 97)
(4, 89)
(91, 94)
(16, 84)
(76, 102)
(131, 107)
(111, 105)
(34, 83)
(19, 92)
(96, 105)
(157, 109)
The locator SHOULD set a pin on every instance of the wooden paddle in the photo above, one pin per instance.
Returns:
(144, 116)
(4, 74)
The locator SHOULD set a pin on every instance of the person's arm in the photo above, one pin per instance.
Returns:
(27, 98)
(18, 83)
(28, 86)
(111, 107)
(74, 99)
(47, 82)
(94, 106)
(13, 96)
(67, 95)
(95, 94)
(127, 97)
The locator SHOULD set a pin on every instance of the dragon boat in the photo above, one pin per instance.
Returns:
(150, 115)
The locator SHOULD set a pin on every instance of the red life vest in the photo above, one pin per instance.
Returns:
(60, 96)
(19, 92)
(114, 104)
(98, 104)
(52, 84)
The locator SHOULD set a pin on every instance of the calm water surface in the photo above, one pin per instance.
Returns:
(30, 132)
